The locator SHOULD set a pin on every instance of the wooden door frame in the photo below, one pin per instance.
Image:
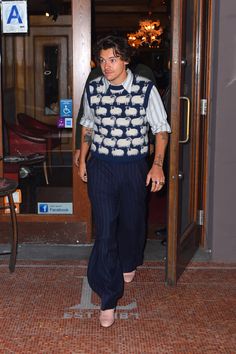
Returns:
(1, 117)
(176, 27)
(173, 190)
(208, 95)
(81, 68)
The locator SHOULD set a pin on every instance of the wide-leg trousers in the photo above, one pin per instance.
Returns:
(117, 192)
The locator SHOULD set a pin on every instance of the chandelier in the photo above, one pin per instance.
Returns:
(148, 34)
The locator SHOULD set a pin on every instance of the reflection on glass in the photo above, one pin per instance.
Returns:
(51, 87)
(38, 153)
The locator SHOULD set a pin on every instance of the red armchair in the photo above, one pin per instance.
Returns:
(51, 133)
(11, 171)
(22, 143)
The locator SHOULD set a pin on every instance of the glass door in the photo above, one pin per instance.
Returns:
(43, 75)
(184, 175)
(37, 134)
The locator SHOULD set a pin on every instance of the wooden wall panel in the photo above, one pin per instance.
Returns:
(8, 60)
(8, 78)
(20, 88)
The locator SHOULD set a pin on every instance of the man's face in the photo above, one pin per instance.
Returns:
(113, 67)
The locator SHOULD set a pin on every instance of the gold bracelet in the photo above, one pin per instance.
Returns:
(157, 163)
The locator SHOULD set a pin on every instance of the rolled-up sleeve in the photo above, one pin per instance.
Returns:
(87, 119)
(156, 114)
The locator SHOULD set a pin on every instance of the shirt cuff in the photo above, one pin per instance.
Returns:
(161, 128)
(87, 123)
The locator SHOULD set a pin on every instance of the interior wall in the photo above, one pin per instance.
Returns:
(222, 190)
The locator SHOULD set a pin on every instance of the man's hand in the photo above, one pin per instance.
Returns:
(76, 157)
(83, 171)
(156, 174)
(156, 177)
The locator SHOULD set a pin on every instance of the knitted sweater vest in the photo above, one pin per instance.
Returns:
(120, 127)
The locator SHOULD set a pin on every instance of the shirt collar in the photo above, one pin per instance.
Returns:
(126, 84)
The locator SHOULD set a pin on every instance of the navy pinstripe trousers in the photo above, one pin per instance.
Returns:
(117, 193)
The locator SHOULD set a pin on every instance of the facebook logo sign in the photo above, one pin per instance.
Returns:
(43, 208)
(14, 17)
(55, 208)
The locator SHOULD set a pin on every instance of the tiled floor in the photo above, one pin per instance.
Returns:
(47, 307)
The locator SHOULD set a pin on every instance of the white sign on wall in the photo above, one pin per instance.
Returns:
(55, 208)
(14, 17)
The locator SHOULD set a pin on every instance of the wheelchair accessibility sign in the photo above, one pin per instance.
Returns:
(66, 108)
(14, 17)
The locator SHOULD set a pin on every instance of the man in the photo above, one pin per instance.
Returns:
(118, 108)
(137, 68)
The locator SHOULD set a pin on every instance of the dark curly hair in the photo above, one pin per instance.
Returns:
(118, 44)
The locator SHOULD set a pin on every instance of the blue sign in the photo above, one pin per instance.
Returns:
(14, 17)
(66, 108)
(43, 208)
(68, 122)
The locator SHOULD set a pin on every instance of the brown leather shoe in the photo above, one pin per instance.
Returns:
(128, 277)
(107, 318)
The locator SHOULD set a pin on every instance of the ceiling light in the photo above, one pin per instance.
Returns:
(148, 34)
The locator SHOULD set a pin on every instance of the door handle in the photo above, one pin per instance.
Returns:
(188, 120)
